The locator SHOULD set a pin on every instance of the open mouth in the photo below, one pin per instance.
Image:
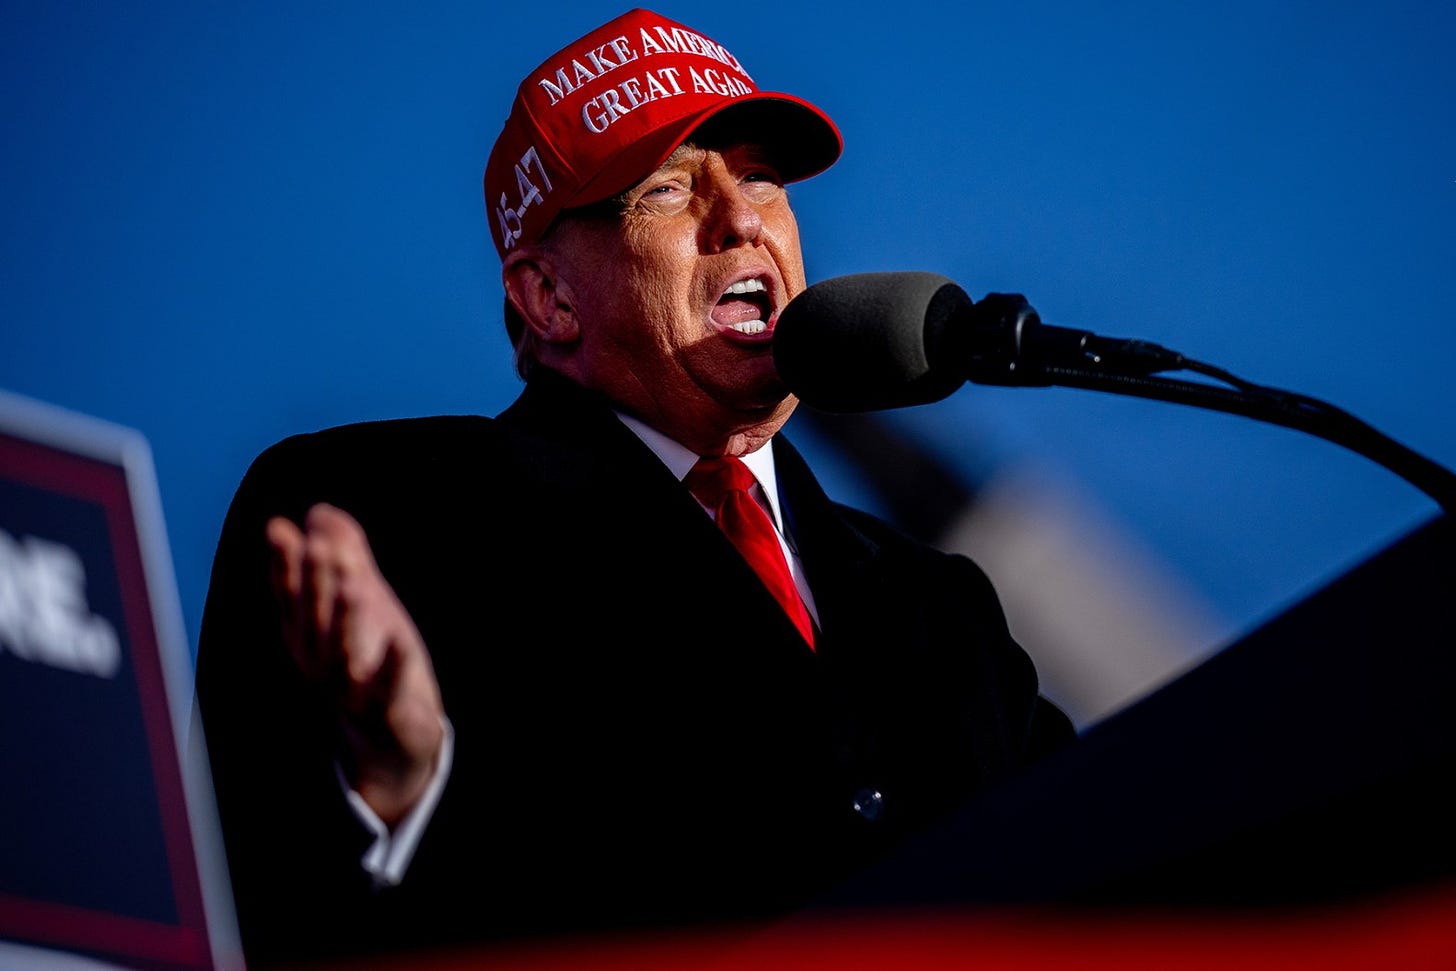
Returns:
(745, 307)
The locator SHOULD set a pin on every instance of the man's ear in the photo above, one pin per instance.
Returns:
(532, 285)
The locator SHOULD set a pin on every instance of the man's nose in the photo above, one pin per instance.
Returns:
(732, 219)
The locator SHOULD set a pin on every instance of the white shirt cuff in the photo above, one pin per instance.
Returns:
(389, 855)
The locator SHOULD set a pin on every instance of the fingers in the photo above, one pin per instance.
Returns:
(336, 611)
(286, 567)
(349, 633)
(369, 632)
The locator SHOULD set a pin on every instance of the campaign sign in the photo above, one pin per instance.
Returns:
(98, 853)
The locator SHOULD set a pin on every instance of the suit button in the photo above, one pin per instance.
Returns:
(869, 804)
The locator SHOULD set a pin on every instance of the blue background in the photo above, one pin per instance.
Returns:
(226, 222)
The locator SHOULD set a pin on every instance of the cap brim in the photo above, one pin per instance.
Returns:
(801, 141)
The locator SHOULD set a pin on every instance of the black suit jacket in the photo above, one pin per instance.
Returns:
(642, 738)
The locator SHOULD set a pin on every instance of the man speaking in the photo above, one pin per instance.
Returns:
(612, 658)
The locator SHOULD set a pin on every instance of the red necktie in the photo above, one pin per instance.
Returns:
(721, 483)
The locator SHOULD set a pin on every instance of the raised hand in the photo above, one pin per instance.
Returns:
(350, 635)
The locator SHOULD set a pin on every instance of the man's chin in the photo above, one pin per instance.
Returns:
(775, 408)
(765, 392)
(751, 386)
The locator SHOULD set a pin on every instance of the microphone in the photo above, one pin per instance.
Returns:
(870, 341)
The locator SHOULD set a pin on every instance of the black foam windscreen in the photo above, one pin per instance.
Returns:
(869, 341)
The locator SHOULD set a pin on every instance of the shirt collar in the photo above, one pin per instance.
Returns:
(680, 460)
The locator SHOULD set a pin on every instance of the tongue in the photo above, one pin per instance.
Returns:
(730, 312)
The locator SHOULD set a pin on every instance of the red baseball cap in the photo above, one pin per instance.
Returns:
(606, 110)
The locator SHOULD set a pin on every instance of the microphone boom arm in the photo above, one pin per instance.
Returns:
(1006, 343)
(1277, 407)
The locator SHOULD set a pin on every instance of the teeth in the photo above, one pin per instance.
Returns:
(756, 285)
(746, 286)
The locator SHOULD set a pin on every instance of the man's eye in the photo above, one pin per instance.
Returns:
(761, 186)
(663, 190)
(664, 197)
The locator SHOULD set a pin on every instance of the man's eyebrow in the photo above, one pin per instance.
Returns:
(682, 153)
(755, 153)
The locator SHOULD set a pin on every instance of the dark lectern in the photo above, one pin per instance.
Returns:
(1310, 763)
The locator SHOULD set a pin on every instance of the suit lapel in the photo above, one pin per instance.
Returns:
(839, 562)
(607, 492)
